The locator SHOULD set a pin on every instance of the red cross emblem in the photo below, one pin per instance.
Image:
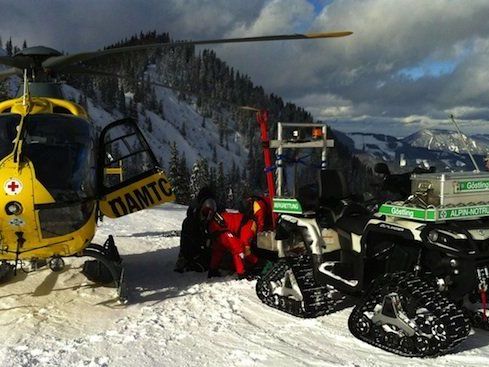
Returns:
(12, 187)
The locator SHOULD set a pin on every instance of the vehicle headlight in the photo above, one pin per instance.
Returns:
(441, 237)
(433, 236)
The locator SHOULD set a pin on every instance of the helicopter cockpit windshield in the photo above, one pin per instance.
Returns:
(62, 151)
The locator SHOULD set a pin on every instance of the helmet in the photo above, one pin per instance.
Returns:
(207, 209)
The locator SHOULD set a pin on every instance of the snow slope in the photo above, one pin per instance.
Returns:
(50, 319)
(197, 142)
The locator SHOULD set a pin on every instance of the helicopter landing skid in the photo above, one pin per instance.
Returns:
(107, 267)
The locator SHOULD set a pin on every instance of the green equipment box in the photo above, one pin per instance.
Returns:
(451, 189)
(443, 196)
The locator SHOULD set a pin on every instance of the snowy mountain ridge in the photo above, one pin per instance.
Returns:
(427, 147)
(440, 139)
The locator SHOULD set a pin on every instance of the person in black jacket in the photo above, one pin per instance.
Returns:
(195, 250)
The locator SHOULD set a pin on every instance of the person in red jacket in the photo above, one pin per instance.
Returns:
(233, 232)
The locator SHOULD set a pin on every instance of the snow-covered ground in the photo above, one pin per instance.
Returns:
(60, 319)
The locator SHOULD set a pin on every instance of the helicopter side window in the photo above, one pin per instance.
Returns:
(8, 123)
(126, 154)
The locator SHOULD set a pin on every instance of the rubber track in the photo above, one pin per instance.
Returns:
(476, 319)
(317, 300)
(412, 291)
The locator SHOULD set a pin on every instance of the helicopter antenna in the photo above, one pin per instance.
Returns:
(24, 100)
(467, 147)
(26, 97)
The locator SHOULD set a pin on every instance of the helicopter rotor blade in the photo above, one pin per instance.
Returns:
(80, 70)
(19, 62)
(75, 69)
(83, 70)
(61, 61)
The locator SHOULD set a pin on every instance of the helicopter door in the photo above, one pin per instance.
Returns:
(129, 176)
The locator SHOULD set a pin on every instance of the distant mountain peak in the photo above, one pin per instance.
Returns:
(442, 148)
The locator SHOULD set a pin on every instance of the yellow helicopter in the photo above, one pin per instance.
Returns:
(57, 172)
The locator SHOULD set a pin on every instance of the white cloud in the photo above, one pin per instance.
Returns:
(354, 77)
(278, 16)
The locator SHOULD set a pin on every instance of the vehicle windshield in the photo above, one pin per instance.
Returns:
(7, 133)
(62, 151)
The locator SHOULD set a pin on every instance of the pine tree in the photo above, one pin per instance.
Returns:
(185, 184)
(148, 122)
(174, 173)
(178, 175)
(250, 163)
(121, 100)
(9, 47)
(132, 109)
(183, 131)
(221, 183)
(230, 183)
(212, 178)
(161, 110)
(221, 129)
(199, 177)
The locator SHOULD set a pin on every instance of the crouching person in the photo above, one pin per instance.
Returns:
(195, 250)
(234, 233)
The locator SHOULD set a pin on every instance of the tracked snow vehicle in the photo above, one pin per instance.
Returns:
(417, 269)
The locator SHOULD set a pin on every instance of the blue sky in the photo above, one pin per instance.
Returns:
(320, 4)
(429, 68)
